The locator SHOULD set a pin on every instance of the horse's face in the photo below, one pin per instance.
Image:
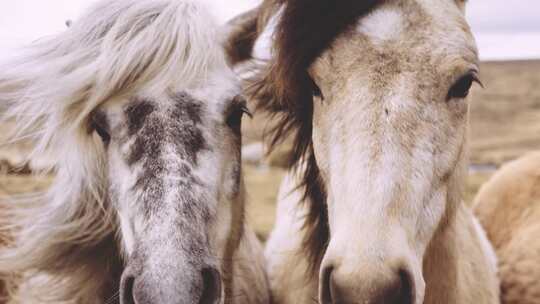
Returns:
(389, 135)
(175, 180)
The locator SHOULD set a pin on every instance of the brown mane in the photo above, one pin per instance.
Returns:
(284, 90)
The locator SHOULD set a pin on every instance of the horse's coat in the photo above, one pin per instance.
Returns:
(137, 105)
(382, 25)
(508, 206)
(374, 95)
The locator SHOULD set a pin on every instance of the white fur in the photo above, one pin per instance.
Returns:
(381, 25)
(263, 45)
(391, 155)
(286, 265)
(487, 247)
(119, 48)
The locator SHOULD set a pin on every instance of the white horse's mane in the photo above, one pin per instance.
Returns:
(49, 90)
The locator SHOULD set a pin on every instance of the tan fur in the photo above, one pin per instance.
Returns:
(454, 265)
(243, 268)
(249, 272)
(388, 143)
(286, 263)
(456, 269)
(508, 207)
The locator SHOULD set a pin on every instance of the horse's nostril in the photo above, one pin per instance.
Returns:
(126, 291)
(399, 289)
(407, 292)
(326, 286)
(340, 285)
(211, 293)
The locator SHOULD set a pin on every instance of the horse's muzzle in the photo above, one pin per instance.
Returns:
(206, 289)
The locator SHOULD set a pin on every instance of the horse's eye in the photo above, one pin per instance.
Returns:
(316, 90)
(234, 118)
(100, 125)
(461, 88)
(105, 136)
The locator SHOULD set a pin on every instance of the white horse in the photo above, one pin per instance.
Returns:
(374, 94)
(136, 103)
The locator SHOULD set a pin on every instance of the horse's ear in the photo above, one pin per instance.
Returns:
(242, 32)
(240, 35)
(461, 4)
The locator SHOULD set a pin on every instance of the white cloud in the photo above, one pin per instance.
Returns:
(23, 21)
(504, 29)
(496, 46)
(31, 19)
(504, 16)
(224, 10)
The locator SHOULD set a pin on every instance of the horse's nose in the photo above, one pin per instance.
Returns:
(211, 293)
(340, 286)
(134, 290)
(126, 290)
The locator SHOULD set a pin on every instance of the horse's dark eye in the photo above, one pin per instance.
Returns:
(105, 136)
(316, 90)
(100, 125)
(462, 87)
(234, 118)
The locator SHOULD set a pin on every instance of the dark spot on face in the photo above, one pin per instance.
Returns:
(386, 111)
(188, 135)
(145, 124)
(166, 139)
(189, 106)
(147, 144)
(136, 114)
(188, 178)
(153, 128)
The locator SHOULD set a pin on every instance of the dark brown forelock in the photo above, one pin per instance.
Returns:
(285, 90)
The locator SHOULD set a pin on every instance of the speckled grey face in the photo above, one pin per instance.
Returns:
(174, 171)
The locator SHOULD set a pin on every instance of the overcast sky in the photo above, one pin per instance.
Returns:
(504, 29)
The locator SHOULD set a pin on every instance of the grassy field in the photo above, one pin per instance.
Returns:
(505, 124)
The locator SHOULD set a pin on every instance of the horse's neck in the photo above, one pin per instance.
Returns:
(457, 265)
(246, 280)
(250, 271)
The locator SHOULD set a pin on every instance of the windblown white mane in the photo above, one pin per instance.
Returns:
(118, 48)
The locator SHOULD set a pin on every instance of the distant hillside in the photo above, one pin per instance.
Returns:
(505, 115)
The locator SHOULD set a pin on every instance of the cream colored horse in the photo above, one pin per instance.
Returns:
(508, 206)
(139, 109)
(375, 95)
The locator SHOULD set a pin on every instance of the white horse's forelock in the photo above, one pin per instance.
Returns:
(119, 48)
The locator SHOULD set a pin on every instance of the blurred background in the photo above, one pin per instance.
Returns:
(505, 116)
(504, 30)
